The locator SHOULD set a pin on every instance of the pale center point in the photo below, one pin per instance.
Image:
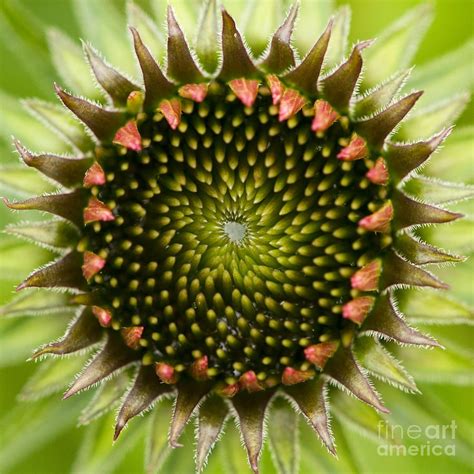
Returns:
(235, 231)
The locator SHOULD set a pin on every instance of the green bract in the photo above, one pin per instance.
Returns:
(236, 227)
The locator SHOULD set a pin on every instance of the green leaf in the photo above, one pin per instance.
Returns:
(158, 450)
(459, 277)
(151, 36)
(187, 14)
(19, 259)
(338, 43)
(97, 454)
(376, 99)
(453, 161)
(396, 46)
(14, 120)
(425, 122)
(22, 33)
(26, 428)
(458, 239)
(71, 65)
(108, 36)
(382, 364)
(355, 415)
(454, 365)
(51, 376)
(20, 336)
(283, 436)
(232, 455)
(312, 19)
(54, 235)
(106, 398)
(270, 15)
(38, 302)
(59, 120)
(207, 35)
(437, 191)
(445, 75)
(23, 182)
(435, 308)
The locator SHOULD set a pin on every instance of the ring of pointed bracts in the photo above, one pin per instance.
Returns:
(144, 143)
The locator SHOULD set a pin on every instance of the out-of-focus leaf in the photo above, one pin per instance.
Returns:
(313, 18)
(454, 160)
(94, 454)
(37, 302)
(15, 121)
(19, 259)
(71, 65)
(52, 375)
(20, 336)
(108, 36)
(59, 120)
(459, 277)
(430, 307)
(445, 75)
(105, 399)
(187, 14)
(283, 437)
(396, 46)
(53, 235)
(437, 191)
(232, 454)
(356, 415)
(458, 239)
(424, 123)
(158, 450)
(338, 43)
(28, 427)
(269, 14)
(382, 364)
(150, 34)
(22, 181)
(454, 365)
(22, 33)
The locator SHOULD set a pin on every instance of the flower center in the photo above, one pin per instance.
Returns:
(235, 236)
(235, 231)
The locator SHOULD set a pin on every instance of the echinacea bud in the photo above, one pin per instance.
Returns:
(97, 211)
(94, 176)
(291, 103)
(380, 220)
(319, 354)
(249, 382)
(367, 278)
(195, 92)
(166, 373)
(356, 150)
(132, 335)
(171, 109)
(104, 317)
(245, 89)
(92, 264)
(199, 368)
(378, 174)
(227, 228)
(292, 376)
(129, 136)
(357, 309)
(324, 116)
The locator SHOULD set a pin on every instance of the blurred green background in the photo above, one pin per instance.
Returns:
(44, 440)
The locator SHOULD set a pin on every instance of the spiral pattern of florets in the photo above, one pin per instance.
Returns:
(234, 237)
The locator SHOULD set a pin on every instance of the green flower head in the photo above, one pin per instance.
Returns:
(236, 228)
